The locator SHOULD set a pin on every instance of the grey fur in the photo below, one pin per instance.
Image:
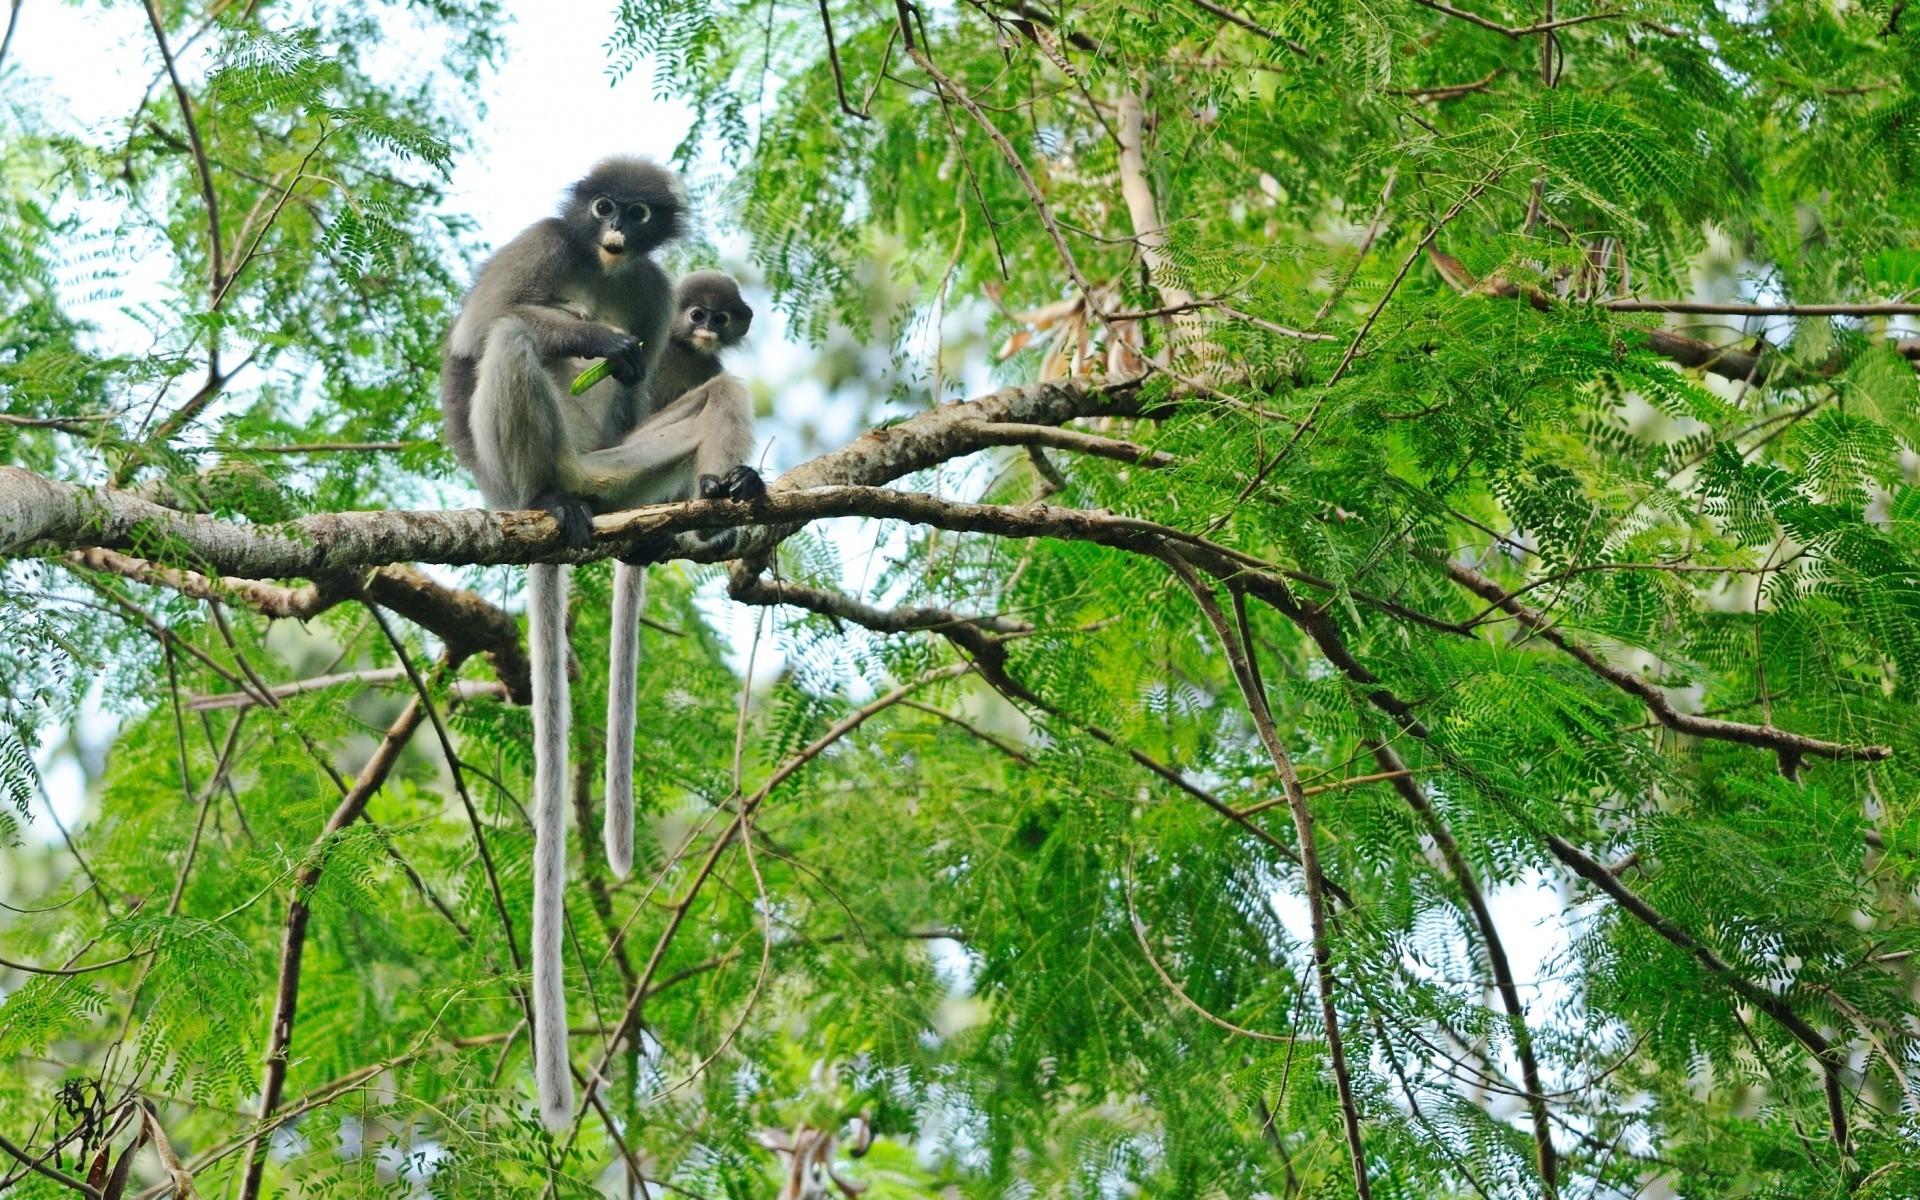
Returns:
(557, 291)
(709, 318)
(710, 413)
(547, 609)
(568, 292)
(623, 671)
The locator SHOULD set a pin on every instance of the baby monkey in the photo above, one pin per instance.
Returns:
(709, 318)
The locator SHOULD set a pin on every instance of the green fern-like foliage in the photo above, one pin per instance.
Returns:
(1590, 628)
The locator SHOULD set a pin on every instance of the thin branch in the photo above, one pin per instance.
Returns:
(1790, 747)
(1350, 782)
(1512, 31)
(13, 22)
(323, 448)
(972, 637)
(293, 938)
(1711, 308)
(38, 1165)
(1448, 91)
(1346, 360)
(465, 623)
(948, 87)
(1327, 638)
(216, 267)
(1254, 694)
(79, 424)
(1173, 985)
(1233, 18)
(1068, 439)
(1396, 771)
(424, 697)
(1143, 209)
(226, 282)
(833, 57)
(636, 999)
(1830, 1060)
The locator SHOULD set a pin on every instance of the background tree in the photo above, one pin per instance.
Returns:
(1445, 451)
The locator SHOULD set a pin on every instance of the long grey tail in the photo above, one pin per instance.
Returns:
(629, 601)
(547, 635)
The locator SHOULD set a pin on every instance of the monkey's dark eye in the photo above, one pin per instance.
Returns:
(720, 320)
(697, 315)
(603, 208)
(639, 214)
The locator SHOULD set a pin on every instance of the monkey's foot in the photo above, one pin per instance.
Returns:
(743, 483)
(574, 516)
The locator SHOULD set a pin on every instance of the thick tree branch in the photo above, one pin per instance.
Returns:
(465, 623)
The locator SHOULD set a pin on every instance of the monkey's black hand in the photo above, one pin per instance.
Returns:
(628, 363)
(743, 483)
(574, 516)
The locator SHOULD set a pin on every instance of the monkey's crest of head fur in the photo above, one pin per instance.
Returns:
(627, 180)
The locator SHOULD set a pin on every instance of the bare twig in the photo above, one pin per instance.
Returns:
(1449, 91)
(833, 57)
(323, 448)
(13, 22)
(1512, 31)
(1830, 1060)
(1395, 770)
(1068, 439)
(949, 88)
(1173, 985)
(39, 1165)
(1715, 308)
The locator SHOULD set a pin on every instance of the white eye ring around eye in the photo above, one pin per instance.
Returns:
(720, 320)
(640, 214)
(603, 207)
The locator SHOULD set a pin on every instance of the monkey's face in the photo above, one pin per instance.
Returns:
(711, 330)
(625, 229)
(712, 317)
(623, 210)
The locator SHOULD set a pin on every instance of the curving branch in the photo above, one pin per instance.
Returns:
(465, 623)
(1790, 747)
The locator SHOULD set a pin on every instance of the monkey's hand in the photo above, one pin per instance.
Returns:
(573, 515)
(743, 483)
(627, 363)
